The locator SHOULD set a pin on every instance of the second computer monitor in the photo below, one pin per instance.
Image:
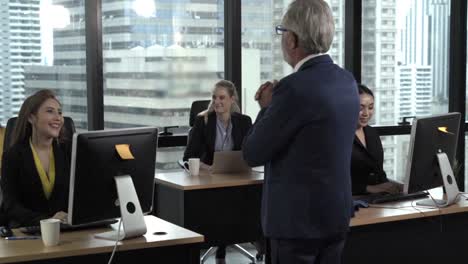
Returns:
(430, 136)
(97, 158)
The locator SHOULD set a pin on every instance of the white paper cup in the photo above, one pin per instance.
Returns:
(194, 166)
(50, 231)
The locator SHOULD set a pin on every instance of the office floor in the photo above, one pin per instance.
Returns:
(234, 257)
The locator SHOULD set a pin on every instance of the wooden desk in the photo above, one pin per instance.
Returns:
(182, 181)
(225, 208)
(178, 245)
(400, 233)
(394, 233)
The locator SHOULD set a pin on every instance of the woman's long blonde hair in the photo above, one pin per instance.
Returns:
(232, 91)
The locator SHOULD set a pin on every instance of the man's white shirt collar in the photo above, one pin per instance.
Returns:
(304, 60)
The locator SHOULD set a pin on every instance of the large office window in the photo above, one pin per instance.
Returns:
(395, 156)
(405, 60)
(42, 46)
(405, 63)
(160, 56)
(262, 59)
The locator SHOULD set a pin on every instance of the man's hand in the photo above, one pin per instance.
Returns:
(264, 93)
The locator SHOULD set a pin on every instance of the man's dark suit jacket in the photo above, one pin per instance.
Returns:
(202, 136)
(304, 138)
(24, 200)
(367, 162)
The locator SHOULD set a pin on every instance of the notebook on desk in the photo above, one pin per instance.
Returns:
(229, 162)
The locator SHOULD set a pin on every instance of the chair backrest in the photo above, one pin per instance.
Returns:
(196, 108)
(67, 124)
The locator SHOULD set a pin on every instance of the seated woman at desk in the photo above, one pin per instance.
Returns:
(35, 167)
(221, 127)
(367, 173)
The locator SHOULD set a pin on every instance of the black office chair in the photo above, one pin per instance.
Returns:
(195, 109)
(68, 125)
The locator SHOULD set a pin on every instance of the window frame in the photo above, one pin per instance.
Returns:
(233, 64)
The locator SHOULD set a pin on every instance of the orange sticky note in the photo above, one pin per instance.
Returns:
(124, 151)
(444, 129)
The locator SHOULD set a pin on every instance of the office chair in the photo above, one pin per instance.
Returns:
(195, 109)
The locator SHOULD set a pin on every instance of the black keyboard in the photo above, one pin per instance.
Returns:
(378, 198)
(36, 230)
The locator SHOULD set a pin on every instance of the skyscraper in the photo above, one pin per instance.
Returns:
(20, 45)
(415, 91)
(379, 67)
(439, 12)
(423, 65)
(424, 42)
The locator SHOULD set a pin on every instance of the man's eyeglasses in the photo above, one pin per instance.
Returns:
(280, 30)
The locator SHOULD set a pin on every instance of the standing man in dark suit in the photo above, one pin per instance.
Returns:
(304, 135)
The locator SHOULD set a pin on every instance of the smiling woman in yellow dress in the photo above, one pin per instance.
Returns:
(35, 167)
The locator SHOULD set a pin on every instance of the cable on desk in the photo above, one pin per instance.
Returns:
(463, 194)
(116, 243)
(437, 206)
(389, 207)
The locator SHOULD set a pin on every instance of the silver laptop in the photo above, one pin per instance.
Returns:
(229, 162)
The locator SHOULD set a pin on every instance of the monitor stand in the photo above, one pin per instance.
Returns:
(450, 184)
(132, 217)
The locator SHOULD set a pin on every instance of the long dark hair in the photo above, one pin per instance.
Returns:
(23, 129)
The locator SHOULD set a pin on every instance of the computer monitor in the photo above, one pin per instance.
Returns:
(431, 154)
(111, 176)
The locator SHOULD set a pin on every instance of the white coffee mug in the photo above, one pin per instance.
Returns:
(194, 166)
(50, 231)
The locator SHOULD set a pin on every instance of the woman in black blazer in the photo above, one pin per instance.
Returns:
(367, 173)
(223, 115)
(219, 128)
(35, 167)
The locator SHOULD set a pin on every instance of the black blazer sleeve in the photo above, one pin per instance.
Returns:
(11, 184)
(367, 162)
(241, 125)
(196, 140)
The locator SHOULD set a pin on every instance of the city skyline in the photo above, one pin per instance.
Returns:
(160, 57)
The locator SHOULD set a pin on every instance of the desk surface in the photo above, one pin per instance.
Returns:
(83, 242)
(405, 210)
(380, 213)
(183, 181)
